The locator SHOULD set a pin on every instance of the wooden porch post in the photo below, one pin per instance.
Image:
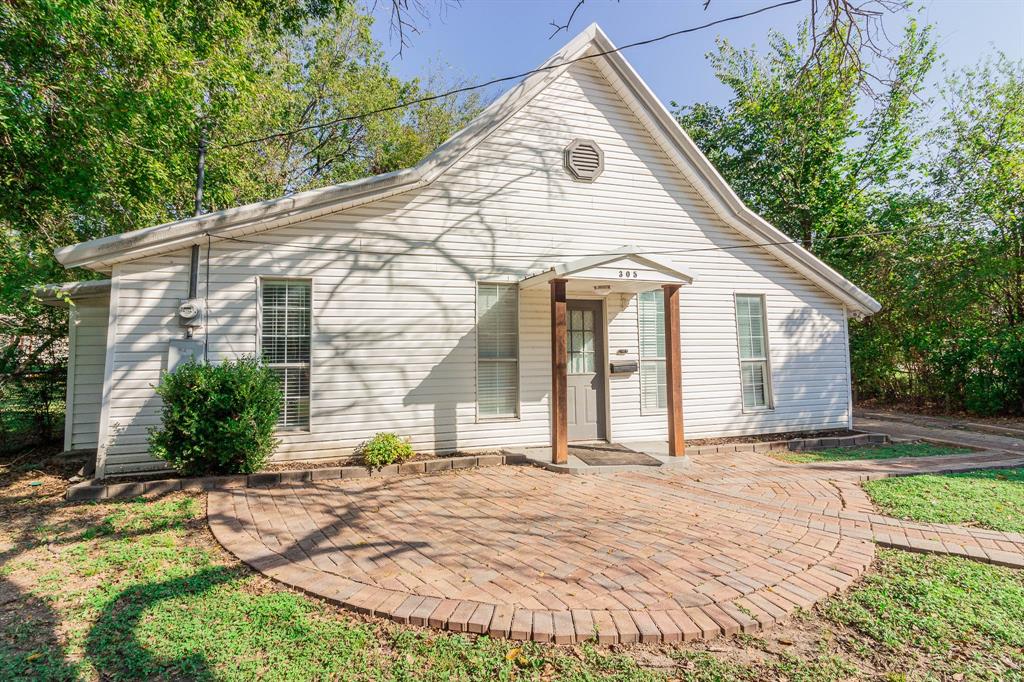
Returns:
(559, 362)
(673, 372)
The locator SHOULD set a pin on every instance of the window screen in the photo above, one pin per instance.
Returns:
(753, 345)
(651, 317)
(497, 343)
(285, 345)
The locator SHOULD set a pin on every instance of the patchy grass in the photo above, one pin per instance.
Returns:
(991, 499)
(140, 590)
(966, 618)
(868, 452)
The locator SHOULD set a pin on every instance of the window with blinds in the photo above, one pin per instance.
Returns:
(285, 345)
(651, 316)
(497, 348)
(753, 346)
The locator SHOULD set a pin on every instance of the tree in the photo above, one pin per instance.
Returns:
(944, 209)
(103, 107)
(977, 175)
(792, 142)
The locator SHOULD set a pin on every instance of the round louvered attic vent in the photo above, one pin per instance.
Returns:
(584, 159)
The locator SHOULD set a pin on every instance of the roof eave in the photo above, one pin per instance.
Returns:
(101, 254)
(57, 295)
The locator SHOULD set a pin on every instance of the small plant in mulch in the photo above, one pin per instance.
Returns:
(383, 449)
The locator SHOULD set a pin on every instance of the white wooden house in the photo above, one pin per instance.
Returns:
(509, 290)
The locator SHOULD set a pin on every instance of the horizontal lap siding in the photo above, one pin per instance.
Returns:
(90, 317)
(394, 345)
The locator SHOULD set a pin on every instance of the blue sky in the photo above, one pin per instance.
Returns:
(483, 39)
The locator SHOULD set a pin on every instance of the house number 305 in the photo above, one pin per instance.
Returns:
(628, 274)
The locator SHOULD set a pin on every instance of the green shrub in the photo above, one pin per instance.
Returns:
(384, 449)
(217, 419)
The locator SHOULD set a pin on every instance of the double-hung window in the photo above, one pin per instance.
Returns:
(497, 349)
(651, 316)
(285, 345)
(755, 381)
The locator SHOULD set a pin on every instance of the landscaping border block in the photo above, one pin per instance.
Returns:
(97, 490)
(794, 445)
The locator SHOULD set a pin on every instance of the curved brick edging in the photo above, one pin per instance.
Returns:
(311, 537)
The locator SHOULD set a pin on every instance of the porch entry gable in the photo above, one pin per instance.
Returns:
(625, 270)
(622, 271)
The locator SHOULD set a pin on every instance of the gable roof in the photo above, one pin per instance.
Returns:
(667, 269)
(102, 254)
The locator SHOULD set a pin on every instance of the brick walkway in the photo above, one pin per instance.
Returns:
(733, 544)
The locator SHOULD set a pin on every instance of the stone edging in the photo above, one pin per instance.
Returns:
(88, 491)
(795, 445)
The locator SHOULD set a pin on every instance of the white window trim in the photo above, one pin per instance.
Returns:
(646, 410)
(486, 419)
(769, 393)
(260, 279)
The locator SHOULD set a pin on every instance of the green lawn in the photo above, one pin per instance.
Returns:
(991, 499)
(868, 452)
(140, 590)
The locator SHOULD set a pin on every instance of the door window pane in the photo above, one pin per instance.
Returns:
(580, 342)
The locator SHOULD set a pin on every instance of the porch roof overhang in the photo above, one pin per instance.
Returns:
(625, 270)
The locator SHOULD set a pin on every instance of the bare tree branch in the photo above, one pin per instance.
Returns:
(858, 27)
(568, 22)
(405, 15)
(565, 27)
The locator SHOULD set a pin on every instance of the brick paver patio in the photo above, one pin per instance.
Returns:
(733, 544)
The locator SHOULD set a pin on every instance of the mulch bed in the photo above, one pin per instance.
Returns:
(770, 437)
(296, 465)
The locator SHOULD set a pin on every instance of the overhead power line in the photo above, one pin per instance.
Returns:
(503, 79)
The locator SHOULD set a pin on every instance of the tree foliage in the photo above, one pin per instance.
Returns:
(794, 142)
(103, 106)
(944, 207)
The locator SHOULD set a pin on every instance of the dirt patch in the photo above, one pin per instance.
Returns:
(771, 437)
(929, 410)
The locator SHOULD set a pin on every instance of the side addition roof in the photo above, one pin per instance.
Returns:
(58, 294)
(102, 254)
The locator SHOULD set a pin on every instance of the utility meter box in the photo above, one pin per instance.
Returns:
(190, 312)
(181, 351)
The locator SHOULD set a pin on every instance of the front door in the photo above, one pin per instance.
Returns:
(585, 381)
